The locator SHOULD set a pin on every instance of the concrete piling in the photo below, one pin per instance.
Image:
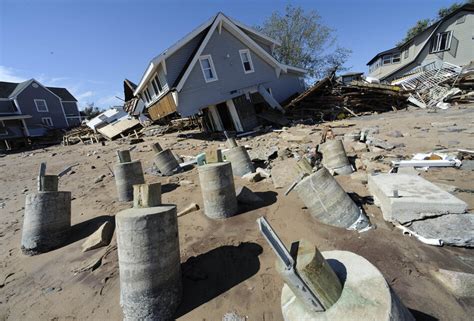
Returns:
(127, 174)
(328, 202)
(156, 147)
(218, 190)
(334, 157)
(166, 162)
(47, 217)
(240, 160)
(365, 295)
(149, 262)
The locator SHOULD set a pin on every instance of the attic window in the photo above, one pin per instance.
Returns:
(208, 69)
(41, 105)
(246, 61)
(441, 42)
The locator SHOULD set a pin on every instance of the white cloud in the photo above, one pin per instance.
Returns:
(108, 101)
(10, 75)
(81, 96)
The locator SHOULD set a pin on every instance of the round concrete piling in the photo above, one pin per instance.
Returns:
(328, 202)
(48, 183)
(365, 294)
(240, 160)
(47, 221)
(334, 157)
(166, 162)
(149, 263)
(218, 190)
(127, 175)
(124, 156)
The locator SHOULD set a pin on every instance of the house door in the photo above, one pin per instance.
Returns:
(225, 116)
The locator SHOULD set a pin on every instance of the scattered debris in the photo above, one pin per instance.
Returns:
(100, 178)
(189, 209)
(99, 238)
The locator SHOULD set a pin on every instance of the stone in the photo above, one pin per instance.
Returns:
(368, 131)
(246, 196)
(359, 164)
(263, 154)
(100, 179)
(460, 284)
(99, 238)
(452, 229)
(366, 295)
(352, 136)
(358, 147)
(253, 177)
(377, 142)
(395, 133)
(418, 198)
(263, 173)
(284, 173)
(359, 176)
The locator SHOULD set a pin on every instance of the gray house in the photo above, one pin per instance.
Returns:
(449, 40)
(222, 70)
(29, 109)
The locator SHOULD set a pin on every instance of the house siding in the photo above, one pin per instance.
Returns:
(27, 104)
(70, 108)
(463, 32)
(224, 49)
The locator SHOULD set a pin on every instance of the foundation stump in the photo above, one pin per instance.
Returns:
(240, 160)
(126, 175)
(335, 158)
(149, 263)
(365, 294)
(166, 162)
(218, 190)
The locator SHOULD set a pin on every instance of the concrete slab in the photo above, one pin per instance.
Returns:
(452, 229)
(417, 198)
(458, 283)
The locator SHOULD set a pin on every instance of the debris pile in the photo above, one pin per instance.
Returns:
(329, 100)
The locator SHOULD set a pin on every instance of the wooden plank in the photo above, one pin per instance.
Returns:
(164, 107)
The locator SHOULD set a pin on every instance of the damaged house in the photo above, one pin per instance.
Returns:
(449, 40)
(29, 109)
(223, 71)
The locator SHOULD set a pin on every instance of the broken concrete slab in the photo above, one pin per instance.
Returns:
(99, 238)
(263, 173)
(460, 284)
(352, 136)
(377, 142)
(357, 147)
(417, 198)
(452, 229)
(284, 173)
(359, 176)
(246, 196)
(253, 177)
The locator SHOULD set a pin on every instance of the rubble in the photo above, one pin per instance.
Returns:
(99, 238)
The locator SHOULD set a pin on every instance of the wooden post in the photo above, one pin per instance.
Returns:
(124, 156)
(318, 274)
(146, 195)
(156, 148)
(213, 156)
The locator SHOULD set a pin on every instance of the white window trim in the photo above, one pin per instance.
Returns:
(45, 104)
(213, 69)
(438, 42)
(51, 121)
(241, 51)
(5, 133)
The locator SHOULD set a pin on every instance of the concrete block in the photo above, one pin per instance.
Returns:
(460, 284)
(365, 294)
(418, 198)
(452, 229)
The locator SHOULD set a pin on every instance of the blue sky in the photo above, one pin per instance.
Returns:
(90, 46)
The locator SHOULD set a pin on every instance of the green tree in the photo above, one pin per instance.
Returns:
(90, 111)
(305, 41)
(443, 12)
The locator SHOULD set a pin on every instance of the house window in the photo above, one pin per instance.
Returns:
(387, 59)
(396, 58)
(246, 61)
(47, 121)
(3, 129)
(441, 42)
(41, 105)
(156, 85)
(208, 69)
(147, 95)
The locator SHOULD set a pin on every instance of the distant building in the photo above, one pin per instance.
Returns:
(450, 40)
(29, 109)
(222, 70)
(349, 77)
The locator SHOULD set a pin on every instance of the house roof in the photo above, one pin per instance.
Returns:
(466, 7)
(208, 27)
(11, 90)
(63, 93)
